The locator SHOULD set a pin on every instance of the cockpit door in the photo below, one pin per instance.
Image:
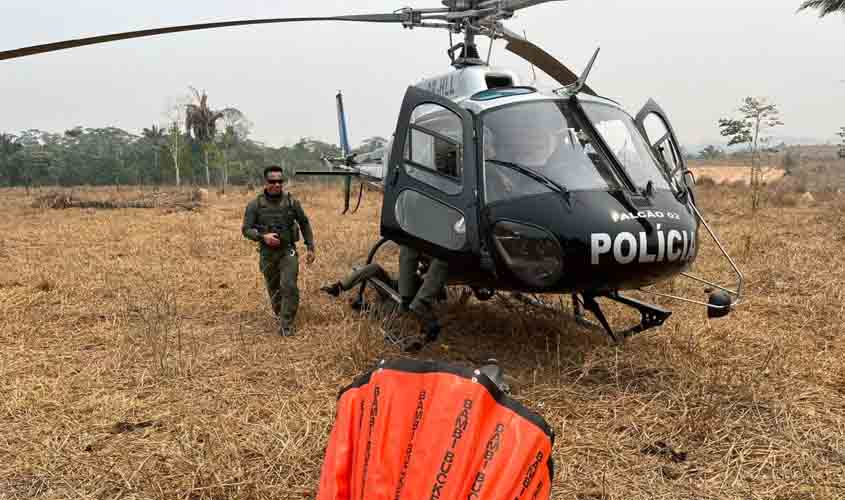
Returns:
(656, 128)
(431, 186)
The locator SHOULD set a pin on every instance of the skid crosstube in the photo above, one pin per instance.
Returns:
(651, 316)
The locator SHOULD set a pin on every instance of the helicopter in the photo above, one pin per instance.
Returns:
(519, 189)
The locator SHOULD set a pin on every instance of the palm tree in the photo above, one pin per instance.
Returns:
(825, 7)
(154, 133)
(202, 121)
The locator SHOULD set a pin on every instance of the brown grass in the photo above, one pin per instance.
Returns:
(807, 173)
(139, 361)
(732, 174)
(103, 199)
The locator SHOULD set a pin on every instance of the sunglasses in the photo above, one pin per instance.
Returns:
(275, 181)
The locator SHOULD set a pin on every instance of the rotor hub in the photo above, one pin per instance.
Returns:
(457, 4)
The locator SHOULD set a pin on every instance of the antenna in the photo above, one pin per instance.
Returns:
(490, 50)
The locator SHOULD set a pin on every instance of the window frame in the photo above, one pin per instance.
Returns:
(456, 180)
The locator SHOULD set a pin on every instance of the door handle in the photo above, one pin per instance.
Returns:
(395, 178)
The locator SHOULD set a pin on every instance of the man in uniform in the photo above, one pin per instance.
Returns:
(417, 297)
(273, 219)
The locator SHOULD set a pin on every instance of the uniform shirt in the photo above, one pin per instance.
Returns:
(250, 232)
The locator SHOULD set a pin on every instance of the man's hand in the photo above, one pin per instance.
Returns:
(309, 256)
(272, 240)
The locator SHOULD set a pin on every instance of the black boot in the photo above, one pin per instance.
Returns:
(334, 289)
(406, 304)
(429, 326)
(431, 330)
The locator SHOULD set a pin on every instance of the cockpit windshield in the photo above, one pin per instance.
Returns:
(621, 135)
(540, 146)
(542, 139)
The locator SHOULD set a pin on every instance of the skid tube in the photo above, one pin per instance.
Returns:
(651, 316)
(370, 257)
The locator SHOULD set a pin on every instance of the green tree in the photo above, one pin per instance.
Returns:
(370, 144)
(711, 152)
(110, 155)
(824, 7)
(33, 159)
(756, 115)
(230, 142)
(739, 131)
(9, 162)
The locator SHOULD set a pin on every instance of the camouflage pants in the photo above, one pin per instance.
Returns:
(281, 272)
(363, 273)
(409, 288)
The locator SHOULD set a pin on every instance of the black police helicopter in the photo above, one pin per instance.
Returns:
(518, 189)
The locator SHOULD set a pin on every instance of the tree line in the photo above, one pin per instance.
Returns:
(190, 149)
(110, 155)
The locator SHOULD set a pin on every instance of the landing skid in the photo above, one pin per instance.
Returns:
(391, 309)
(651, 316)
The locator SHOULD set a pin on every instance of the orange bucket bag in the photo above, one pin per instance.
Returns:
(430, 430)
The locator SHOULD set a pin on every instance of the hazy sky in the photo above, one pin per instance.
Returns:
(697, 59)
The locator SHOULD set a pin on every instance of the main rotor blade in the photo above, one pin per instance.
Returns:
(543, 60)
(68, 44)
(513, 5)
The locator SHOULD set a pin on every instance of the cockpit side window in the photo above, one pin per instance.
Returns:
(664, 147)
(628, 145)
(434, 148)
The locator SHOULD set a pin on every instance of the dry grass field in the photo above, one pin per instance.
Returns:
(731, 174)
(138, 360)
(801, 169)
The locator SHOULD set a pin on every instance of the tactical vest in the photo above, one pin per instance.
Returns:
(279, 218)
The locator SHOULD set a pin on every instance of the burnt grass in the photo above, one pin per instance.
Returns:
(138, 359)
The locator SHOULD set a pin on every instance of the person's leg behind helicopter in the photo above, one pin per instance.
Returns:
(356, 277)
(419, 298)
